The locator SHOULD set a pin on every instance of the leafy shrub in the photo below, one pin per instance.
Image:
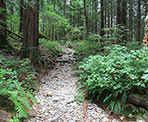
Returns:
(52, 47)
(50, 50)
(24, 71)
(76, 33)
(14, 75)
(93, 37)
(110, 79)
(85, 48)
(134, 45)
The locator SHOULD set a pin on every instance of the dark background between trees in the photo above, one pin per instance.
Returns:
(91, 16)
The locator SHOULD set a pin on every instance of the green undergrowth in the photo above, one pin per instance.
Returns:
(50, 50)
(18, 83)
(111, 79)
(85, 48)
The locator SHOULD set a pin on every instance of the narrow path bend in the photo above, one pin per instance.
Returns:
(56, 97)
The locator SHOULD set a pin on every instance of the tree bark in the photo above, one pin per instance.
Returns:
(102, 18)
(131, 11)
(123, 13)
(3, 26)
(53, 32)
(96, 17)
(31, 32)
(146, 6)
(138, 20)
(21, 15)
(70, 16)
(86, 17)
(118, 18)
(138, 100)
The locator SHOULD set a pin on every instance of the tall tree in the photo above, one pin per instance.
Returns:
(123, 12)
(3, 25)
(31, 31)
(131, 11)
(21, 15)
(118, 18)
(102, 18)
(146, 7)
(138, 20)
(96, 16)
(86, 17)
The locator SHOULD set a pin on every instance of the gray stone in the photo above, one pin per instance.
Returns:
(105, 120)
(49, 94)
(122, 118)
(114, 120)
(140, 121)
(130, 115)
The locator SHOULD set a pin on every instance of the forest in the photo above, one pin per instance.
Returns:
(73, 60)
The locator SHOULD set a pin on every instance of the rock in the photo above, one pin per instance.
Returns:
(140, 120)
(122, 118)
(145, 116)
(130, 115)
(114, 120)
(49, 94)
(105, 120)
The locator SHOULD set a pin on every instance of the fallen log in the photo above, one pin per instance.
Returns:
(21, 37)
(138, 100)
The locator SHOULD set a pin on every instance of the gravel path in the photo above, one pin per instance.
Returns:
(56, 97)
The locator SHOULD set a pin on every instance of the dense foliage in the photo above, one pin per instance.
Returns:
(110, 79)
(85, 48)
(50, 50)
(30, 33)
(16, 76)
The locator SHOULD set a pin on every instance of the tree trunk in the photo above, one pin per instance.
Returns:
(3, 26)
(123, 13)
(96, 17)
(102, 18)
(70, 16)
(118, 18)
(86, 17)
(111, 14)
(108, 15)
(21, 15)
(31, 32)
(146, 6)
(146, 29)
(138, 20)
(138, 100)
(131, 11)
(53, 32)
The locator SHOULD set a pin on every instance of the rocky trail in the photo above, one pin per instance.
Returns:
(56, 97)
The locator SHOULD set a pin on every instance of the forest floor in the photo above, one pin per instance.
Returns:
(56, 97)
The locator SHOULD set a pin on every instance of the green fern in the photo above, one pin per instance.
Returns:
(21, 101)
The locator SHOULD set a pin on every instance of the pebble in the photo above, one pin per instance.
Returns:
(140, 121)
(49, 94)
(114, 120)
(122, 118)
(130, 115)
(105, 120)
(56, 96)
